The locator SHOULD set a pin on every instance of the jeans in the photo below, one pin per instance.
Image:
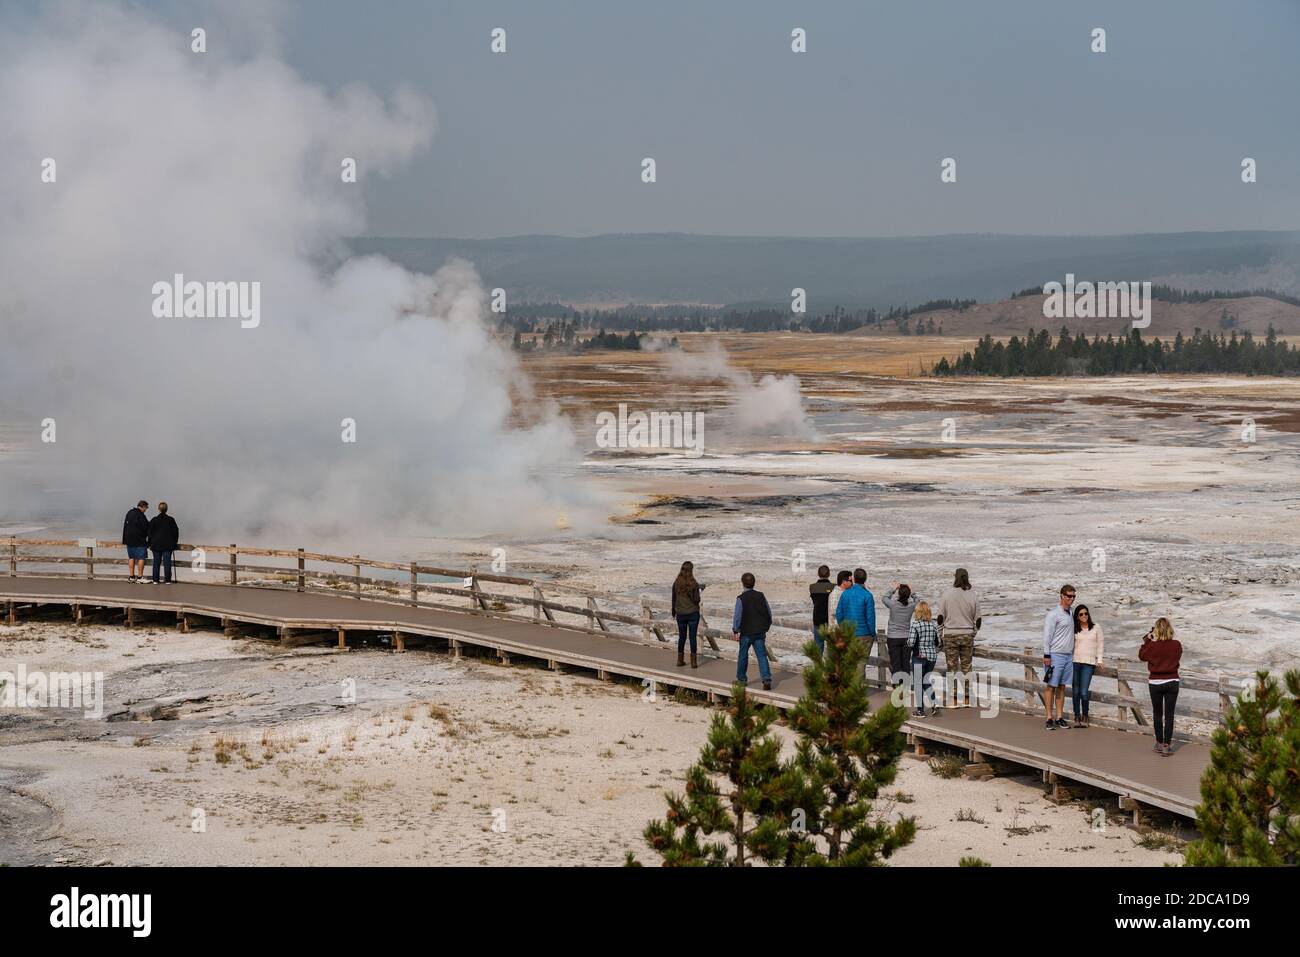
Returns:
(687, 625)
(921, 668)
(164, 559)
(817, 635)
(1163, 699)
(759, 644)
(1080, 683)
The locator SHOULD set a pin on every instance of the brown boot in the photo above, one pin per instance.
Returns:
(695, 662)
(681, 659)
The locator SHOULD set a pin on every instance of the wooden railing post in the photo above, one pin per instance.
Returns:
(302, 574)
(13, 556)
(415, 585)
(704, 624)
(356, 574)
(234, 564)
(1031, 702)
(90, 562)
(645, 618)
(1225, 697)
(475, 592)
(883, 648)
(541, 603)
(537, 603)
(1124, 689)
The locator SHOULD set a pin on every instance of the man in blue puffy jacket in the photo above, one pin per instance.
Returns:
(858, 605)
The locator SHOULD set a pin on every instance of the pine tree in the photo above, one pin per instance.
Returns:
(739, 795)
(1249, 813)
(846, 755)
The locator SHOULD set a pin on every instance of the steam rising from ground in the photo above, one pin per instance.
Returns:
(225, 170)
(770, 405)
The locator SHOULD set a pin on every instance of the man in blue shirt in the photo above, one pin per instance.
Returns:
(858, 605)
(1058, 654)
(750, 623)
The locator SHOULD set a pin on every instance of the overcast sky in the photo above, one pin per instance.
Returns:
(846, 139)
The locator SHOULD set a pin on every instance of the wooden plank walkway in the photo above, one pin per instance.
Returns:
(1118, 761)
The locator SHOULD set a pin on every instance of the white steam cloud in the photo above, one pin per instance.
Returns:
(229, 170)
(770, 405)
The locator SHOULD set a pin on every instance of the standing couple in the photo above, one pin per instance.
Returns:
(1072, 650)
(141, 535)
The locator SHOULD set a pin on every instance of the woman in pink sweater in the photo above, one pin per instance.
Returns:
(1162, 653)
(1088, 648)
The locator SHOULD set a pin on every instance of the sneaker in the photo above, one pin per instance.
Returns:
(767, 686)
(1062, 724)
(935, 712)
(1051, 725)
(1167, 750)
(1159, 748)
(152, 582)
(918, 713)
(1079, 723)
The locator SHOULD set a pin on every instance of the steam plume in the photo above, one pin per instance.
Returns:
(229, 170)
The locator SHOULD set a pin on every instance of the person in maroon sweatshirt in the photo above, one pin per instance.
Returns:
(1162, 653)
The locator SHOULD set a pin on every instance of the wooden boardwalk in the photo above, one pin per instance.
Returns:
(1121, 762)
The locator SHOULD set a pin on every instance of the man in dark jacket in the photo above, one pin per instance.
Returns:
(135, 536)
(750, 623)
(820, 592)
(164, 536)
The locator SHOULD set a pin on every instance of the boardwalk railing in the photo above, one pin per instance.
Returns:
(639, 618)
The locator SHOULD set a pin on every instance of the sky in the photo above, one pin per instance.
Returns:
(846, 139)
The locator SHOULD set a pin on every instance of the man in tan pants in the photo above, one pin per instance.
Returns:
(959, 618)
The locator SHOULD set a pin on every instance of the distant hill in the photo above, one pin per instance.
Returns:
(732, 270)
(1012, 317)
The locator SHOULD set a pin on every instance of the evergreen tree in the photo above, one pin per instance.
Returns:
(846, 755)
(739, 795)
(1249, 813)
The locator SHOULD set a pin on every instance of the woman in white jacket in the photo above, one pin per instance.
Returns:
(1088, 648)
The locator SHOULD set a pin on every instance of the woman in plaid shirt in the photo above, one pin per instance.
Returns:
(925, 643)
